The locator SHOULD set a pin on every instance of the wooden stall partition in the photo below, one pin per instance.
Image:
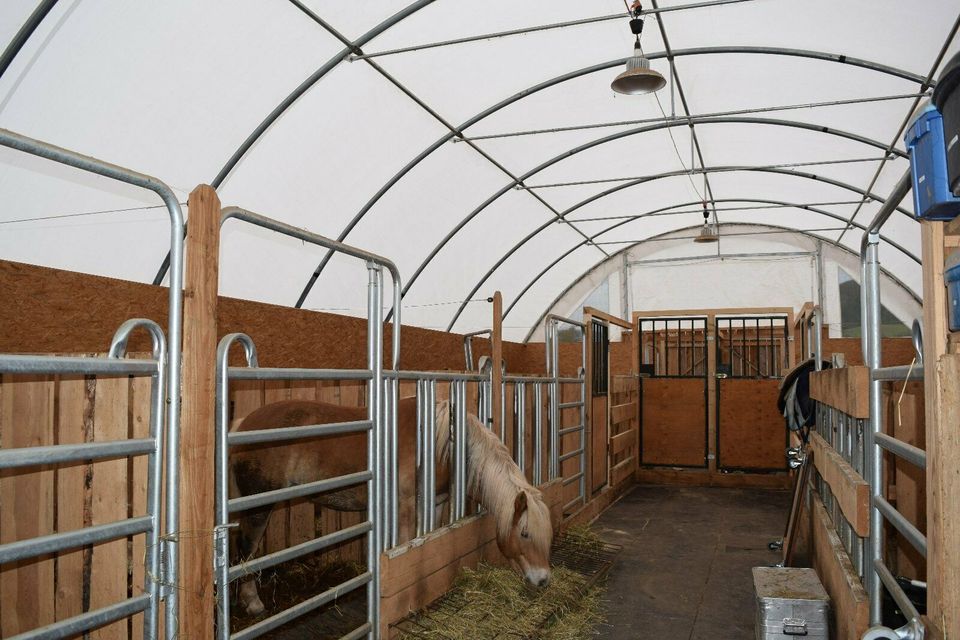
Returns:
(417, 573)
(624, 445)
(849, 602)
(751, 435)
(673, 431)
(49, 410)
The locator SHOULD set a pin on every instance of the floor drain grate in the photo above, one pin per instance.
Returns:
(592, 562)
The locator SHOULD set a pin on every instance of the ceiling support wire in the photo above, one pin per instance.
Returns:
(784, 165)
(23, 34)
(543, 27)
(814, 55)
(803, 205)
(654, 212)
(928, 82)
(435, 115)
(735, 112)
(618, 255)
(707, 194)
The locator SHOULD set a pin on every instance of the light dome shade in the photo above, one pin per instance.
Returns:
(708, 233)
(638, 78)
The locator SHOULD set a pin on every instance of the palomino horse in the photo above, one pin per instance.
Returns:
(524, 530)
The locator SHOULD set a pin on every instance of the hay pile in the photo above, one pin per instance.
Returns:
(488, 603)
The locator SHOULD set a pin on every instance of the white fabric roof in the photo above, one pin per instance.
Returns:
(368, 150)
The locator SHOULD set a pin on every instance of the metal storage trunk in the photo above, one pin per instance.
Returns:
(791, 604)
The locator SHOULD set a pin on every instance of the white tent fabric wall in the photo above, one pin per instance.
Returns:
(371, 152)
(763, 267)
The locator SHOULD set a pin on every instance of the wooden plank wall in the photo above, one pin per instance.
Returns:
(624, 446)
(60, 410)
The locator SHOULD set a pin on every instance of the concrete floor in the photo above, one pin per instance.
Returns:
(684, 573)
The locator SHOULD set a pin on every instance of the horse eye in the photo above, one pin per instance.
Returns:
(525, 534)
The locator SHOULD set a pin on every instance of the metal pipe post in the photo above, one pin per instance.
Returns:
(870, 316)
(537, 434)
(375, 442)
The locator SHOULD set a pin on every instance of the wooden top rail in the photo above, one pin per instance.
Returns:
(603, 315)
(846, 389)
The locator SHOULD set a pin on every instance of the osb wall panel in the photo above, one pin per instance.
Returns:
(55, 311)
(750, 431)
(673, 425)
(893, 351)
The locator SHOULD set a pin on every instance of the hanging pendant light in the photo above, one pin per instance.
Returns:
(638, 78)
(708, 232)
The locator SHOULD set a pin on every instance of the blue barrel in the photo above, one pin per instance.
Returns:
(932, 199)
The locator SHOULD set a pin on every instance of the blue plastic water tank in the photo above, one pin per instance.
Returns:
(932, 199)
(951, 276)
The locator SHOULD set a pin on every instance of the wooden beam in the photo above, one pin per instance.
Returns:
(846, 389)
(943, 508)
(603, 315)
(496, 355)
(943, 503)
(734, 311)
(849, 601)
(197, 597)
(849, 488)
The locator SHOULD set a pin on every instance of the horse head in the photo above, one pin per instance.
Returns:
(526, 541)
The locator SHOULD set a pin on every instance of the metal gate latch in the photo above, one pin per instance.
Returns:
(794, 626)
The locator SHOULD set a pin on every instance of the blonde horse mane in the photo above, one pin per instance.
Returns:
(493, 478)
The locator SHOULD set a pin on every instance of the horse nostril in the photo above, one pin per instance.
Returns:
(543, 582)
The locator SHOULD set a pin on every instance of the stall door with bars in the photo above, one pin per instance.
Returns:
(673, 391)
(600, 374)
(752, 356)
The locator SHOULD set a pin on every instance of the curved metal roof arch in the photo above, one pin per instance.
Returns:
(611, 138)
(458, 131)
(653, 212)
(596, 266)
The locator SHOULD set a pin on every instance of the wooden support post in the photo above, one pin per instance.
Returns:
(496, 355)
(197, 416)
(941, 396)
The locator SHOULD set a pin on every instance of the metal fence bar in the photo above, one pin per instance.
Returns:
(284, 434)
(901, 598)
(275, 373)
(60, 453)
(89, 621)
(520, 407)
(67, 365)
(906, 529)
(903, 372)
(331, 594)
(538, 433)
(255, 565)
(56, 542)
(914, 455)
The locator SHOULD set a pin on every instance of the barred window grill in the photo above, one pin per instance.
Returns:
(673, 347)
(752, 346)
(601, 357)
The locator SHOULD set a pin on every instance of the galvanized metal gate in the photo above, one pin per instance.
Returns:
(163, 370)
(380, 527)
(673, 367)
(752, 355)
(560, 412)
